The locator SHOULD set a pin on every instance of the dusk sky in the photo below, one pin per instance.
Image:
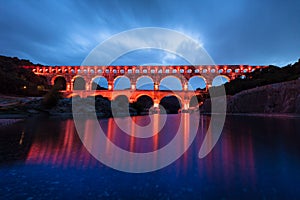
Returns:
(232, 32)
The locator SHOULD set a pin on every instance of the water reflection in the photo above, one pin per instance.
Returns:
(256, 157)
(61, 149)
(124, 151)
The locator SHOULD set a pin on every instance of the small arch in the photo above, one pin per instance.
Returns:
(243, 76)
(145, 83)
(197, 83)
(99, 83)
(78, 83)
(60, 82)
(122, 83)
(220, 80)
(228, 71)
(170, 83)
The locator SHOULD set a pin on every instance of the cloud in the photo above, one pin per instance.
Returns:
(233, 32)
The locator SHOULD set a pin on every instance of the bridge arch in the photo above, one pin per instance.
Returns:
(79, 83)
(120, 96)
(120, 103)
(140, 95)
(144, 83)
(122, 83)
(144, 102)
(220, 80)
(170, 105)
(197, 82)
(170, 83)
(116, 96)
(60, 81)
(99, 83)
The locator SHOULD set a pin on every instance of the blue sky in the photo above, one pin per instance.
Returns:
(232, 32)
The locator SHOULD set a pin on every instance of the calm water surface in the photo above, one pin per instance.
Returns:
(255, 158)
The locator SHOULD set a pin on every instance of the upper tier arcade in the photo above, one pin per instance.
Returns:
(156, 73)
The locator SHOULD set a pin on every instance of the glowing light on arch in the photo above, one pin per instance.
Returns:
(144, 83)
(122, 83)
(220, 80)
(142, 95)
(170, 83)
(197, 82)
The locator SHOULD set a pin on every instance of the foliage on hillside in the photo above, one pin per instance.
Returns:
(270, 75)
(16, 80)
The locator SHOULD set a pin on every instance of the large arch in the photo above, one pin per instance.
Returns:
(122, 83)
(59, 82)
(78, 83)
(220, 80)
(197, 83)
(143, 103)
(144, 83)
(99, 83)
(120, 104)
(171, 103)
(170, 83)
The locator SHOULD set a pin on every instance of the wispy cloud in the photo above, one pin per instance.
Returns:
(233, 32)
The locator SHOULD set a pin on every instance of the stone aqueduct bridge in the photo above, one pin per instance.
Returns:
(88, 74)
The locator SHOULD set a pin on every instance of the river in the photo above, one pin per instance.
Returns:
(256, 157)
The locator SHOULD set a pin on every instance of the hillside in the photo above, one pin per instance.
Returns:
(270, 75)
(270, 90)
(15, 80)
(277, 98)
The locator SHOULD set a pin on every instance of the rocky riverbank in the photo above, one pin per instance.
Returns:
(279, 98)
(18, 107)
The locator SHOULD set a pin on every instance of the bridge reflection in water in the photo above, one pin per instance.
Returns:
(248, 161)
(64, 148)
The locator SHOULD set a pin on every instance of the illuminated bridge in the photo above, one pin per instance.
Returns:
(102, 80)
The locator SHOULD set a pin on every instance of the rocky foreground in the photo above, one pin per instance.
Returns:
(279, 98)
